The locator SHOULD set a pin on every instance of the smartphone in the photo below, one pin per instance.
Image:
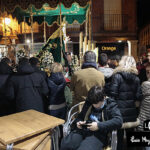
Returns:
(84, 126)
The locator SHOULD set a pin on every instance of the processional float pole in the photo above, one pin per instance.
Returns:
(44, 30)
(31, 14)
(61, 44)
(90, 26)
(25, 30)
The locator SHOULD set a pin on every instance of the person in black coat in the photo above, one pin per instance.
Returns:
(27, 88)
(56, 83)
(104, 116)
(125, 89)
(34, 62)
(6, 107)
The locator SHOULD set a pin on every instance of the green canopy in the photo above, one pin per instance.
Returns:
(52, 15)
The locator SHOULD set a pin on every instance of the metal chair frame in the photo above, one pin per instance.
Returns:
(71, 118)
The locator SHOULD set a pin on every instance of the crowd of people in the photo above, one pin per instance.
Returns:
(109, 93)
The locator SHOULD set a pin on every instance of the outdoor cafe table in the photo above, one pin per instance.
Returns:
(28, 130)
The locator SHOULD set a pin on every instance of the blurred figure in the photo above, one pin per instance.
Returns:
(35, 63)
(144, 109)
(125, 89)
(56, 83)
(106, 70)
(139, 65)
(27, 87)
(6, 71)
(87, 77)
(7, 61)
(142, 73)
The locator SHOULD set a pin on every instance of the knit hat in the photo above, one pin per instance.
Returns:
(90, 57)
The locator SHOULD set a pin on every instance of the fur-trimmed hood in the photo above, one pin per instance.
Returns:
(127, 70)
(126, 73)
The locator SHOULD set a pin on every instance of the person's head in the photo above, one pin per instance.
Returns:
(103, 59)
(127, 62)
(148, 71)
(89, 60)
(145, 62)
(96, 96)
(34, 61)
(6, 60)
(148, 55)
(56, 67)
(23, 61)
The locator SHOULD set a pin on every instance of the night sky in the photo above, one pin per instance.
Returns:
(143, 12)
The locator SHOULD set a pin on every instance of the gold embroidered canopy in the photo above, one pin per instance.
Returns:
(10, 5)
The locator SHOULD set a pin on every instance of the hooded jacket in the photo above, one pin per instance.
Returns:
(5, 106)
(108, 117)
(108, 72)
(56, 84)
(125, 89)
(44, 74)
(27, 88)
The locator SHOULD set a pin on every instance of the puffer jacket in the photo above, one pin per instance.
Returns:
(125, 89)
(6, 107)
(56, 84)
(145, 106)
(27, 88)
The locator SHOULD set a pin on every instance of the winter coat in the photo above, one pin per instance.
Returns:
(108, 117)
(145, 106)
(125, 89)
(44, 74)
(108, 75)
(83, 80)
(6, 107)
(27, 88)
(57, 104)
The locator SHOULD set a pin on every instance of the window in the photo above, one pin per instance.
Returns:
(112, 15)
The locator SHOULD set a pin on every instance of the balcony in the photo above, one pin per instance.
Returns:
(111, 22)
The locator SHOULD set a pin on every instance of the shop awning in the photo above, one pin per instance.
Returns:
(49, 15)
(10, 5)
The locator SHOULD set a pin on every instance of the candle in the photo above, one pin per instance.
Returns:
(89, 45)
(85, 43)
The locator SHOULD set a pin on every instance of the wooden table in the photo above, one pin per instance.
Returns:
(26, 129)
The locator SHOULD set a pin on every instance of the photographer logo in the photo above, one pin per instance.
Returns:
(146, 125)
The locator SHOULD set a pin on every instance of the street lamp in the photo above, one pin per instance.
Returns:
(28, 41)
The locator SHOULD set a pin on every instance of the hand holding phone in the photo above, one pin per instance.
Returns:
(80, 124)
(93, 126)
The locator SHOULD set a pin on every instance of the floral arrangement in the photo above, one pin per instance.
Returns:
(46, 58)
(21, 53)
(75, 61)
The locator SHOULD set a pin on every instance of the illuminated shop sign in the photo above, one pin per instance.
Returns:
(110, 48)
